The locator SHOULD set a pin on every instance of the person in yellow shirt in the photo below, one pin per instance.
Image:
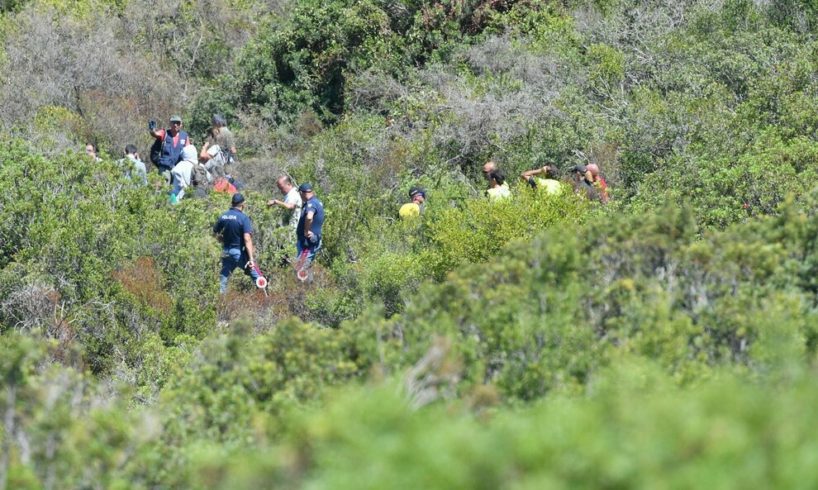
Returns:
(547, 184)
(413, 208)
(498, 187)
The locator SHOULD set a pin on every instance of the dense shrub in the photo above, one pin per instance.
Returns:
(76, 237)
(632, 430)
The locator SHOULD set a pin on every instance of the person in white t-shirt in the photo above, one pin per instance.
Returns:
(292, 202)
(498, 187)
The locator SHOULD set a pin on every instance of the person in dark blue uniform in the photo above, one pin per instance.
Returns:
(235, 230)
(308, 232)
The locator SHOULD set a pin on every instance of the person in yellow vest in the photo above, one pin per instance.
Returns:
(413, 208)
(498, 187)
(547, 184)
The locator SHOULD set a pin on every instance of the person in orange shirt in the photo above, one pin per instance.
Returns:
(593, 176)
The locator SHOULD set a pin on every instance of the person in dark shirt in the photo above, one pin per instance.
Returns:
(582, 186)
(308, 232)
(235, 230)
(173, 142)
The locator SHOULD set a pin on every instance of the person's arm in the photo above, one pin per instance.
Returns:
(283, 204)
(248, 244)
(531, 173)
(158, 133)
(308, 225)
(217, 232)
(204, 155)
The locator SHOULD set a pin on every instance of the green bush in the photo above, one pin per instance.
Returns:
(633, 429)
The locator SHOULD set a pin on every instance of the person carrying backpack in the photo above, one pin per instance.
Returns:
(167, 149)
(219, 150)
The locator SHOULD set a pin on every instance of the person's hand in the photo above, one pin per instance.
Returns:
(310, 235)
(272, 202)
(250, 264)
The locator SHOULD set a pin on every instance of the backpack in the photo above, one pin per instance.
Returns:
(199, 176)
(220, 156)
(227, 157)
(156, 151)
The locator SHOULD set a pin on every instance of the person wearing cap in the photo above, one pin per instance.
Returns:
(291, 204)
(413, 208)
(308, 232)
(173, 141)
(235, 230)
(498, 187)
(548, 183)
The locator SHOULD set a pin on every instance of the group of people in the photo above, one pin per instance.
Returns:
(304, 214)
(585, 180)
(178, 160)
(182, 166)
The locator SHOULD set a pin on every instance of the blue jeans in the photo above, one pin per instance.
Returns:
(232, 258)
(312, 247)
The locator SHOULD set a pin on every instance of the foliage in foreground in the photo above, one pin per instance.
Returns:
(631, 427)
(544, 322)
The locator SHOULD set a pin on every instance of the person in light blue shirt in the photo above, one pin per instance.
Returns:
(134, 167)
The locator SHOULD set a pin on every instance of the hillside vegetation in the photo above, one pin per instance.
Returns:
(667, 339)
